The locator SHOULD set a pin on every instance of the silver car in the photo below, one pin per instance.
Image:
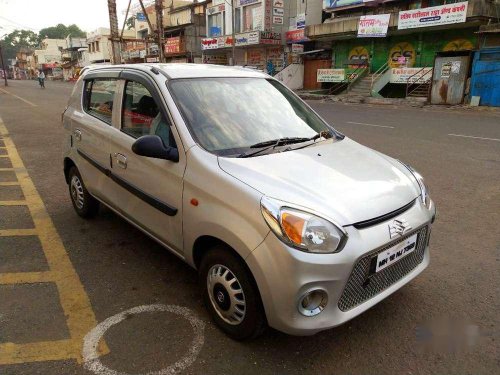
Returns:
(289, 223)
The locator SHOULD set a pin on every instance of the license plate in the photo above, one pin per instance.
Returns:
(396, 252)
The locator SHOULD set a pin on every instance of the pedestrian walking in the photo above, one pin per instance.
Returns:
(41, 79)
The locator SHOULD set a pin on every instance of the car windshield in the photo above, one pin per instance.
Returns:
(228, 115)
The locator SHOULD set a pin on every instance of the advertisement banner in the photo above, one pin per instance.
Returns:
(433, 16)
(373, 26)
(267, 37)
(330, 75)
(217, 42)
(278, 20)
(301, 21)
(295, 36)
(246, 39)
(418, 75)
(216, 9)
(173, 45)
(246, 2)
(278, 3)
(278, 12)
(340, 3)
(297, 48)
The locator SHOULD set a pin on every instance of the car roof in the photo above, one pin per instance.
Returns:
(178, 70)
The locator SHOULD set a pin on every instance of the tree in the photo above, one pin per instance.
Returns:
(130, 23)
(12, 42)
(61, 31)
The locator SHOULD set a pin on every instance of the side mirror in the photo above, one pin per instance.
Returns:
(152, 146)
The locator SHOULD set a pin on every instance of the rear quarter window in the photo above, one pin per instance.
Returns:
(98, 98)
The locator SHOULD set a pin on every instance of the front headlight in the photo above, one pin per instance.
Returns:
(302, 230)
(424, 196)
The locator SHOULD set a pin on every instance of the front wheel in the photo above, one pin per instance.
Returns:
(231, 295)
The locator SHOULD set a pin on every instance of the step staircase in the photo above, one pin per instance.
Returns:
(363, 87)
(420, 90)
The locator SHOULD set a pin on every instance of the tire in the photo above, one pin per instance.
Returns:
(84, 204)
(218, 300)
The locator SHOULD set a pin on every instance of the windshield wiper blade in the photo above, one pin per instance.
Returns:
(267, 145)
(279, 141)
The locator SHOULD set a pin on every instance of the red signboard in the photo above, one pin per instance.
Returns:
(173, 45)
(296, 36)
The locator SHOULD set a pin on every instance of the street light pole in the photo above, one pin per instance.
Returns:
(3, 67)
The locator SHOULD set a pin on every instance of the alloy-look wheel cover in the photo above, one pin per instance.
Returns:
(226, 295)
(76, 189)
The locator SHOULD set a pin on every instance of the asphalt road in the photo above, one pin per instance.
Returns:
(446, 321)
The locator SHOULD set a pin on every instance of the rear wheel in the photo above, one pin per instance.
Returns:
(231, 295)
(84, 204)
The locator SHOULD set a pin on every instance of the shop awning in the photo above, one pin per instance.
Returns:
(310, 52)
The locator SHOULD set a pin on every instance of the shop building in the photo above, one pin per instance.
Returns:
(259, 33)
(71, 57)
(49, 57)
(184, 28)
(393, 42)
(99, 45)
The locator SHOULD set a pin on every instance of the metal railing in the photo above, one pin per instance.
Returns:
(347, 83)
(415, 82)
(380, 71)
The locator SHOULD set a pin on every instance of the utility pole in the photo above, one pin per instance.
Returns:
(159, 28)
(232, 28)
(113, 23)
(3, 67)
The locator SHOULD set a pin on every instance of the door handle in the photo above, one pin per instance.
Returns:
(78, 134)
(121, 160)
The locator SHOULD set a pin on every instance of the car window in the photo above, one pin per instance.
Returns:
(99, 94)
(141, 114)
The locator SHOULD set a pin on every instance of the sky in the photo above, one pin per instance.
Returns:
(38, 14)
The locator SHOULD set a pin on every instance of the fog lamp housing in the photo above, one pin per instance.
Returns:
(312, 303)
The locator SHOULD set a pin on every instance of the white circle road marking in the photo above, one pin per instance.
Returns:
(91, 359)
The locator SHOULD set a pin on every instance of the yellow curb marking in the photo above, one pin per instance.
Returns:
(13, 203)
(18, 232)
(18, 97)
(76, 305)
(27, 277)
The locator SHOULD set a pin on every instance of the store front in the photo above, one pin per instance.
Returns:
(258, 49)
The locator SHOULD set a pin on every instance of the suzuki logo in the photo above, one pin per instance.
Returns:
(398, 227)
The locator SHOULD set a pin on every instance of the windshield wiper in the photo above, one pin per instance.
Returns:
(267, 145)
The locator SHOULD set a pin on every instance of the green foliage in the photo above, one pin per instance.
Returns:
(130, 23)
(12, 42)
(61, 31)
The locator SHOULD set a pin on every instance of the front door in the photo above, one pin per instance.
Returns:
(148, 190)
(311, 72)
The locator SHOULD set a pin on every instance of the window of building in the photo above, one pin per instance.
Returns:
(252, 17)
(237, 20)
(216, 24)
(97, 46)
(142, 116)
(98, 98)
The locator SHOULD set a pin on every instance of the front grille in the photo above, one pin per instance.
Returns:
(363, 285)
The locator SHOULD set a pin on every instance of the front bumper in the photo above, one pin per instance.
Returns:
(284, 274)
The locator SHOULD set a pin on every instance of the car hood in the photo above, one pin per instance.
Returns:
(343, 180)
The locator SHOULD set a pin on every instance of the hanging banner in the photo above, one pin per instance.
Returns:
(433, 16)
(300, 21)
(373, 26)
(340, 3)
(330, 75)
(410, 75)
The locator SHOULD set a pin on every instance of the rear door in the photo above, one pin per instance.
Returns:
(92, 129)
(148, 191)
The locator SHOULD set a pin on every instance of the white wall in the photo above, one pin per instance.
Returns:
(292, 76)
